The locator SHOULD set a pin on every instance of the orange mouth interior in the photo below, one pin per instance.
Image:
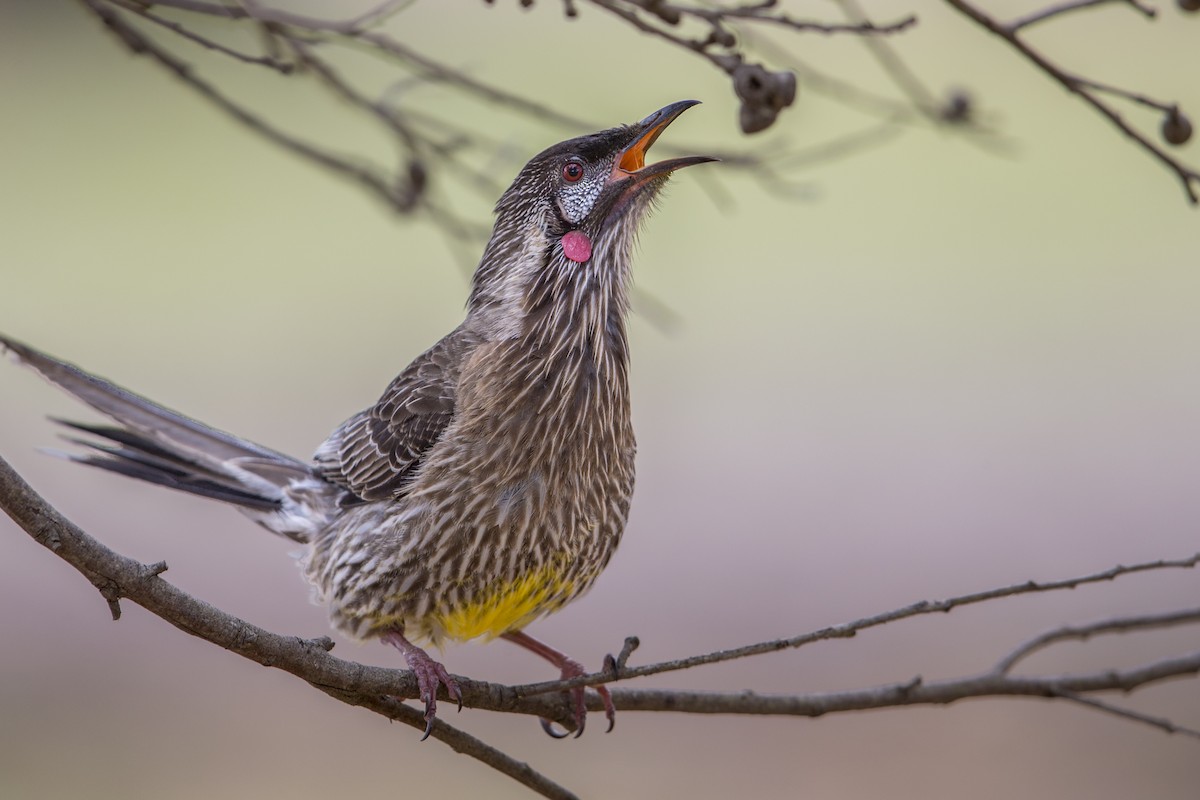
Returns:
(634, 157)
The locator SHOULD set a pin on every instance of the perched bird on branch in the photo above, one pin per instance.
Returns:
(491, 482)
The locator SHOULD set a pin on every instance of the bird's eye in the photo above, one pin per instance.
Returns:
(572, 171)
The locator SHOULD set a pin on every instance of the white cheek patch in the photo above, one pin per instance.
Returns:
(576, 200)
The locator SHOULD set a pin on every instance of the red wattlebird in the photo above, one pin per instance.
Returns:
(490, 483)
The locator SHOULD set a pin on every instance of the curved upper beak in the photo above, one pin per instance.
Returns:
(632, 161)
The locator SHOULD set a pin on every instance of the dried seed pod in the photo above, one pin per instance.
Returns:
(751, 82)
(753, 119)
(1176, 128)
(764, 94)
(785, 89)
(958, 108)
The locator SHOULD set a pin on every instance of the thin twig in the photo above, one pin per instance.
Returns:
(661, 19)
(835, 87)
(725, 63)
(844, 146)
(1085, 632)
(766, 14)
(387, 45)
(139, 43)
(379, 14)
(850, 629)
(144, 12)
(1133, 97)
(904, 78)
(1188, 177)
(908, 693)
(1050, 12)
(1161, 723)
(457, 740)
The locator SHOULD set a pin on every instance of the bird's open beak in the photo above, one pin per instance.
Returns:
(632, 161)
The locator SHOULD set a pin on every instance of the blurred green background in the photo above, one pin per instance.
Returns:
(940, 371)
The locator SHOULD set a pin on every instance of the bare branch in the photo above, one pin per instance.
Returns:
(386, 45)
(427, 143)
(850, 629)
(377, 689)
(835, 87)
(756, 14)
(144, 12)
(457, 740)
(370, 687)
(672, 14)
(1188, 177)
(913, 692)
(1133, 97)
(1050, 12)
(138, 43)
(725, 63)
(908, 82)
(379, 14)
(1085, 632)
(1161, 723)
(720, 33)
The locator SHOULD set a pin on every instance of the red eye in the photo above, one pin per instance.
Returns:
(572, 171)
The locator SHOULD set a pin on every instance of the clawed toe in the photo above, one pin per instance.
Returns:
(610, 710)
(577, 699)
(548, 727)
(570, 669)
(429, 673)
(429, 676)
(579, 707)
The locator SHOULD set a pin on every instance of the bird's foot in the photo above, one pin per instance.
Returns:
(430, 674)
(570, 669)
(573, 669)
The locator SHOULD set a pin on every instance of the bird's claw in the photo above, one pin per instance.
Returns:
(548, 727)
(430, 674)
(610, 710)
(573, 669)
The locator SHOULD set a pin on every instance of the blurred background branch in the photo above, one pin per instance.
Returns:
(756, 44)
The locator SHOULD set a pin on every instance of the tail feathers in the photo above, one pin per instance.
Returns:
(165, 447)
(136, 457)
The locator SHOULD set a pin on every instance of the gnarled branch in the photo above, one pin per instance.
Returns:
(377, 689)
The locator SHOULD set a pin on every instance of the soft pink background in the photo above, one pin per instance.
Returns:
(943, 371)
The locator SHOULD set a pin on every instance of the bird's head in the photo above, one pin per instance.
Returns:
(567, 224)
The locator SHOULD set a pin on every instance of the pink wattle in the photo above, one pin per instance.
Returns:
(577, 246)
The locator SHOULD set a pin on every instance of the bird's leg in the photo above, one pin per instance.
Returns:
(429, 674)
(570, 669)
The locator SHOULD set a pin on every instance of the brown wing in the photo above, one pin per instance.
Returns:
(375, 453)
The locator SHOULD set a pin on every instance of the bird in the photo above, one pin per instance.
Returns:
(490, 484)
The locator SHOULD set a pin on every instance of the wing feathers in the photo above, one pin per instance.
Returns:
(376, 453)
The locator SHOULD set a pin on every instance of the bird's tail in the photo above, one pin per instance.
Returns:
(162, 446)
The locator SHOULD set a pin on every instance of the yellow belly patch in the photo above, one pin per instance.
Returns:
(510, 607)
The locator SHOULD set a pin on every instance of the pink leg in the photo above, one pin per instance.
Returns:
(429, 674)
(570, 669)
